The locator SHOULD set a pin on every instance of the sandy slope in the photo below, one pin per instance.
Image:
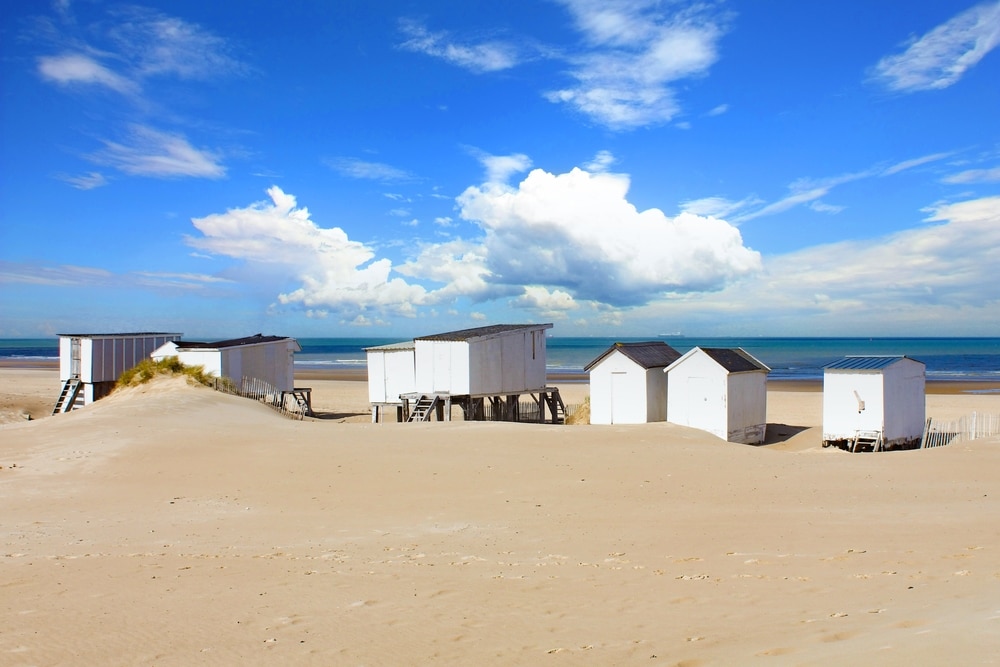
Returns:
(171, 525)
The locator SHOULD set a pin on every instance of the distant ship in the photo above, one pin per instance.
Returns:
(676, 334)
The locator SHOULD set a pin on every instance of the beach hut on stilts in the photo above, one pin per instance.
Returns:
(874, 403)
(91, 363)
(484, 370)
(628, 385)
(719, 390)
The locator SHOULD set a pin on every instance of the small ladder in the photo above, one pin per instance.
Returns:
(867, 441)
(303, 399)
(67, 398)
(423, 408)
(556, 405)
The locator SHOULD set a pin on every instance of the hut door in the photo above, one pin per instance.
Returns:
(619, 397)
(74, 357)
(704, 406)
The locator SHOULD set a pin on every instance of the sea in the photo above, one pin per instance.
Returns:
(946, 359)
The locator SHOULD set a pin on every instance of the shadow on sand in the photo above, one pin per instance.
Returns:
(781, 433)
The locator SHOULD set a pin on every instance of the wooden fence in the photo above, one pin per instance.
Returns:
(971, 427)
(262, 392)
(527, 411)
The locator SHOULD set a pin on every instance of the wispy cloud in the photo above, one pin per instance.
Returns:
(915, 162)
(802, 192)
(635, 52)
(805, 191)
(631, 56)
(975, 176)
(78, 69)
(87, 181)
(65, 275)
(125, 51)
(362, 169)
(941, 57)
(479, 57)
(155, 44)
(149, 152)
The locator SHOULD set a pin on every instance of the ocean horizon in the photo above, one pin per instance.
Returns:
(789, 358)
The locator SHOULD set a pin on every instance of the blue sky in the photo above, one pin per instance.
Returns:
(400, 168)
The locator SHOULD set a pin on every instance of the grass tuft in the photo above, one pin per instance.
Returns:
(148, 369)
(582, 413)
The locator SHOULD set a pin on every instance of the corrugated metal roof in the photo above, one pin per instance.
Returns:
(232, 342)
(650, 354)
(734, 360)
(865, 363)
(128, 334)
(482, 332)
(405, 345)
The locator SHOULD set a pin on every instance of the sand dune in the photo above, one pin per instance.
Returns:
(172, 525)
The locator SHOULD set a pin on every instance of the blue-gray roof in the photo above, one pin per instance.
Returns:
(650, 354)
(734, 360)
(865, 363)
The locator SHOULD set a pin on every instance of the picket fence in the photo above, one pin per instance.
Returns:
(262, 392)
(971, 427)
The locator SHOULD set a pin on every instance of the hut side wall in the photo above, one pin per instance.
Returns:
(656, 395)
(65, 347)
(271, 362)
(747, 412)
(842, 417)
(500, 365)
(905, 402)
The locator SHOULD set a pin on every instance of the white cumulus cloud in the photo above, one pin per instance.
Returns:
(916, 281)
(333, 271)
(578, 232)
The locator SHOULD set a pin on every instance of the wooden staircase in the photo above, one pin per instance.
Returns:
(303, 400)
(424, 408)
(556, 406)
(867, 441)
(67, 398)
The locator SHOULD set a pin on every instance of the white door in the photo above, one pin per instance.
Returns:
(706, 408)
(619, 397)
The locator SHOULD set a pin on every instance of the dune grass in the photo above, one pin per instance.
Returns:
(148, 369)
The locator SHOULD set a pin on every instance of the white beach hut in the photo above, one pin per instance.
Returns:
(719, 390)
(470, 366)
(874, 402)
(391, 373)
(628, 385)
(268, 359)
(90, 364)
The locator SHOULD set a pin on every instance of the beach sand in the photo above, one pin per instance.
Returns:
(172, 525)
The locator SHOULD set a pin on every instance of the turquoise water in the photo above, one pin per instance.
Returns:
(789, 358)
